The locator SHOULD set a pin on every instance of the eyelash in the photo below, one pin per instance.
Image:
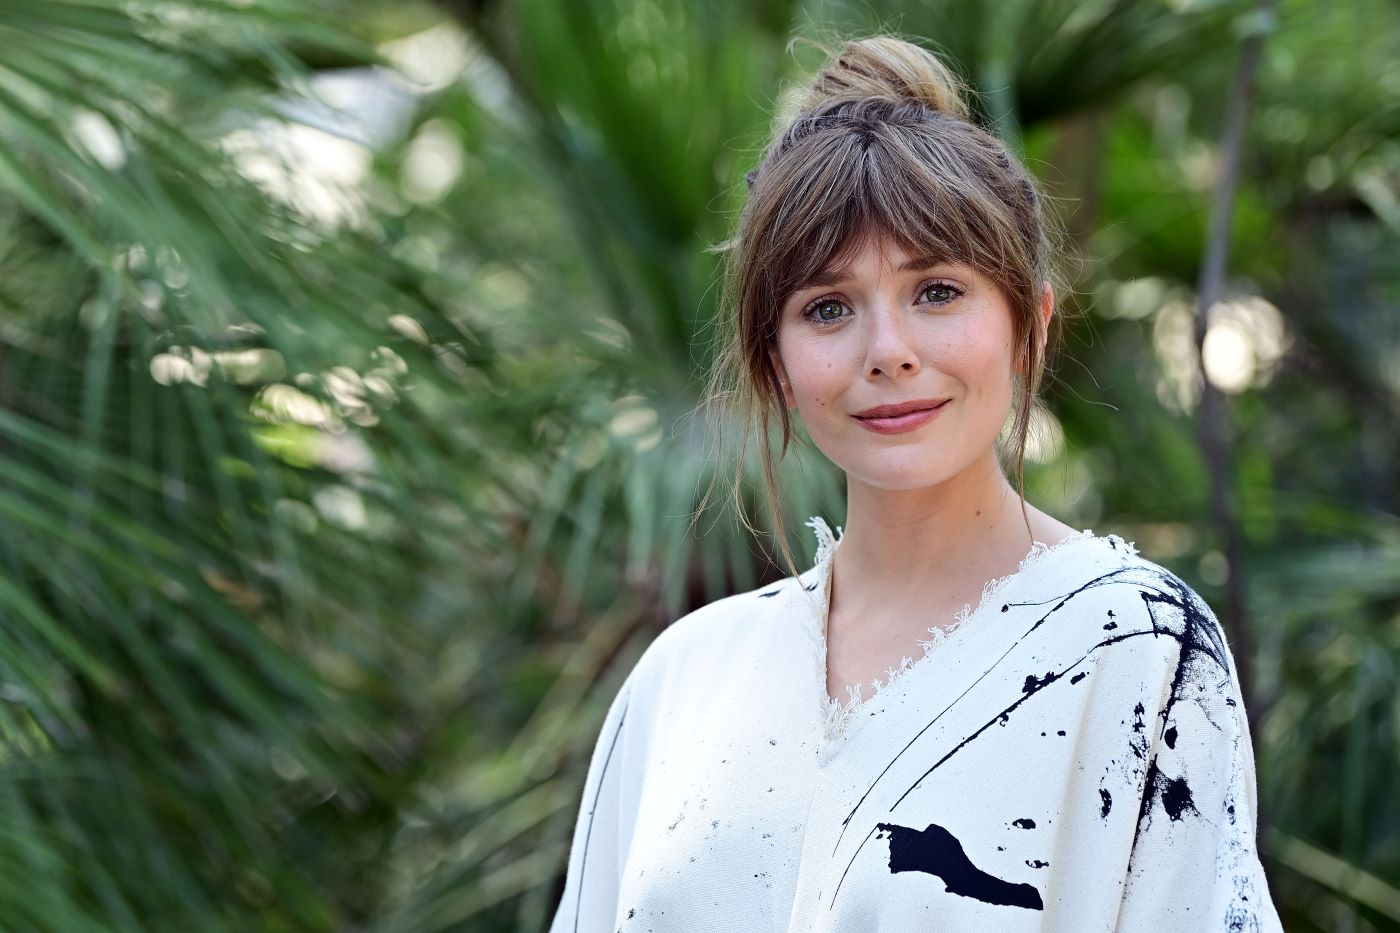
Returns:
(809, 312)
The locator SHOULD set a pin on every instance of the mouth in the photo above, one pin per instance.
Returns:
(905, 416)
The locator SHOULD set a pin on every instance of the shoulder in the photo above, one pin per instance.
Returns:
(1145, 611)
(1153, 589)
(749, 621)
(1110, 568)
(1099, 592)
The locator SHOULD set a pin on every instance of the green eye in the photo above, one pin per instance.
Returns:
(939, 293)
(828, 306)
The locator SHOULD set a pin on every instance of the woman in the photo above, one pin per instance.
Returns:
(1069, 751)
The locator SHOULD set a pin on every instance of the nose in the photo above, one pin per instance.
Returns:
(889, 351)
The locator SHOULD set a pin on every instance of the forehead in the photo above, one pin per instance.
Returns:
(877, 254)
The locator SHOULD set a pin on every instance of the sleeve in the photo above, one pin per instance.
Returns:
(589, 902)
(1195, 863)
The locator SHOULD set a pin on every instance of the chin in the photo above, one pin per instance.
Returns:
(913, 473)
(916, 466)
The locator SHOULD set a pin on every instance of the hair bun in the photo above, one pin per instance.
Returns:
(883, 66)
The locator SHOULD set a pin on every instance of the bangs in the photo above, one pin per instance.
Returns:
(848, 190)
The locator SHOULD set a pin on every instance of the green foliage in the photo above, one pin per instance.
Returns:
(192, 547)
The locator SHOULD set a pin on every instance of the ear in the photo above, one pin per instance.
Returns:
(1047, 308)
(788, 398)
(1047, 311)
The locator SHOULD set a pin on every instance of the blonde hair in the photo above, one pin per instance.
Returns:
(882, 145)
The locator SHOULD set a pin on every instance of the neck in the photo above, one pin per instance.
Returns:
(910, 541)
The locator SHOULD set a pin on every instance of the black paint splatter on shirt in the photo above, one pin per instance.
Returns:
(1174, 794)
(938, 852)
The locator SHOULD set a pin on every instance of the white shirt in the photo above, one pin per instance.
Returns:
(1073, 756)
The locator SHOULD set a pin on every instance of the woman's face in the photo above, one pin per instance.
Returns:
(892, 329)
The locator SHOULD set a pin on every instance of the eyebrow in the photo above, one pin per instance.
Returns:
(825, 278)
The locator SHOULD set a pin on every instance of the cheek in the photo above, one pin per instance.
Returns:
(814, 394)
(816, 377)
(980, 360)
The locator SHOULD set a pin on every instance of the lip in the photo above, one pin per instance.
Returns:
(896, 419)
(900, 408)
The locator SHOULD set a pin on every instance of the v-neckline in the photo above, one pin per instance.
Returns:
(840, 717)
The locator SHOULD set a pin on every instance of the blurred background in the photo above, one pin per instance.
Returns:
(350, 353)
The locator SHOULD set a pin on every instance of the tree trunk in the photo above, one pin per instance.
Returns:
(1213, 423)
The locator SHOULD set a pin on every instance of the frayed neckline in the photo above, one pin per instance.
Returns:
(839, 714)
(826, 541)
